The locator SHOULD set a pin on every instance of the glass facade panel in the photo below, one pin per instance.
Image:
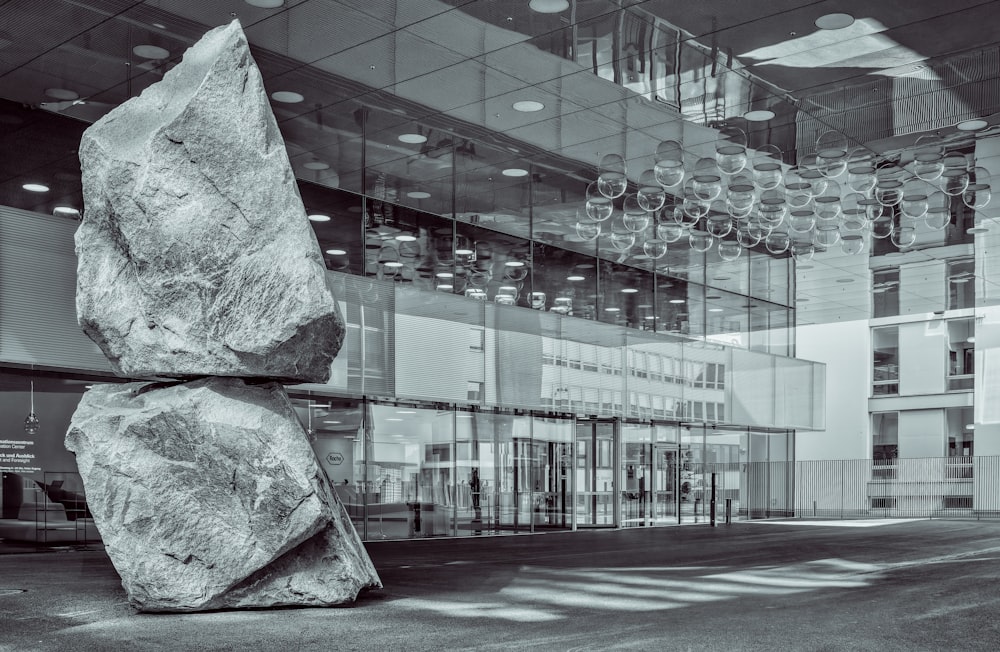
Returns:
(961, 284)
(411, 459)
(885, 292)
(961, 354)
(885, 352)
(635, 474)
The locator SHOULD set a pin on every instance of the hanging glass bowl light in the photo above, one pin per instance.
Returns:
(928, 157)
(634, 217)
(670, 232)
(852, 244)
(888, 186)
(767, 172)
(700, 241)
(731, 150)
(655, 248)
(861, 170)
(803, 252)
(777, 242)
(831, 154)
(651, 195)
(599, 207)
(740, 196)
(938, 211)
(828, 203)
(914, 199)
(882, 226)
(729, 250)
(706, 180)
(802, 220)
(955, 177)
(978, 193)
(719, 225)
(903, 236)
(588, 230)
(669, 164)
(612, 181)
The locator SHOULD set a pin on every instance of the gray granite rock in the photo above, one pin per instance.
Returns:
(208, 495)
(196, 257)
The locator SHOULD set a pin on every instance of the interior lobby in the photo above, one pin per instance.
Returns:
(602, 263)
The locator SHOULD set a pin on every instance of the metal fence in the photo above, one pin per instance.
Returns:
(937, 487)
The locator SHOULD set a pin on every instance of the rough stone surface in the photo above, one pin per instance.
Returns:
(196, 257)
(208, 495)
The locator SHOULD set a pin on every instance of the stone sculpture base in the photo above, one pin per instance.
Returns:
(208, 495)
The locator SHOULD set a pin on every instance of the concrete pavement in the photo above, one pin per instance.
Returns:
(899, 585)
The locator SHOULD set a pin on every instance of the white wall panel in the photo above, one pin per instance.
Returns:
(923, 350)
(921, 433)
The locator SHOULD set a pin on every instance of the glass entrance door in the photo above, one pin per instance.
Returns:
(595, 474)
(666, 498)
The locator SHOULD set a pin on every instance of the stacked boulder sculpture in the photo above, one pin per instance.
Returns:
(198, 267)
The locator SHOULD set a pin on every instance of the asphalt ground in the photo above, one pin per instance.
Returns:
(901, 585)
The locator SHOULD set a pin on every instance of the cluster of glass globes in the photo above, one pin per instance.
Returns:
(740, 198)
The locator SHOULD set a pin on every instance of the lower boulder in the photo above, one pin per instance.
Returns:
(208, 495)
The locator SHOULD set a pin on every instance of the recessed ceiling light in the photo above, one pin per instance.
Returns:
(970, 426)
(677, 301)
(715, 310)
(514, 263)
(759, 115)
(612, 309)
(35, 187)
(288, 97)
(318, 217)
(548, 6)
(158, 25)
(150, 52)
(972, 125)
(406, 412)
(265, 4)
(464, 252)
(835, 21)
(515, 172)
(575, 277)
(316, 165)
(332, 422)
(444, 275)
(406, 237)
(413, 139)
(445, 286)
(973, 231)
(393, 419)
(393, 264)
(528, 106)
(629, 290)
(66, 210)
(418, 194)
(62, 94)
(336, 252)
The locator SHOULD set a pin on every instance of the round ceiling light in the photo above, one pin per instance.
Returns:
(287, 97)
(548, 6)
(406, 237)
(759, 115)
(66, 210)
(612, 309)
(319, 217)
(977, 229)
(677, 301)
(514, 263)
(966, 125)
(418, 194)
(575, 278)
(316, 165)
(414, 139)
(336, 252)
(515, 172)
(150, 52)
(444, 275)
(265, 4)
(528, 106)
(835, 21)
(35, 187)
(629, 290)
(62, 94)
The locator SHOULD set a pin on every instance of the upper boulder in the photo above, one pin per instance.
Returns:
(196, 257)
